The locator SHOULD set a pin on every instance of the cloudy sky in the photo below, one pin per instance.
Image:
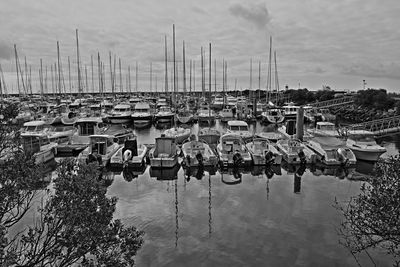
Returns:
(318, 42)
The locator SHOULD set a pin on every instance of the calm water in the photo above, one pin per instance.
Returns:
(240, 219)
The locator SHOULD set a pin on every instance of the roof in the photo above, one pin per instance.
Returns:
(237, 123)
(123, 106)
(142, 105)
(325, 123)
(90, 119)
(34, 123)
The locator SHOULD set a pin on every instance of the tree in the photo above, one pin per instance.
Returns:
(372, 219)
(75, 226)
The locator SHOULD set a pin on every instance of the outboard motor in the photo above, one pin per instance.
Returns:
(237, 159)
(200, 159)
(269, 157)
(302, 157)
(342, 156)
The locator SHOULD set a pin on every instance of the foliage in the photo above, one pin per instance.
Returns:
(76, 226)
(372, 219)
(377, 99)
(301, 96)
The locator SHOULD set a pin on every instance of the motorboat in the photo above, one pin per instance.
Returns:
(35, 127)
(273, 115)
(232, 151)
(206, 115)
(296, 152)
(39, 146)
(226, 115)
(209, 135)
(141, 115)
(364, 146)
(130, 155)
(288, 131)
(165, 153)
(164, 114)
(184, 116)
(179, 133)
(290, 111)
(120, 114)
(332, 151)
(198, 153)
(324, 128)
(60, 134)
(101, 148)
(263, 152)
(218, 102)
(240, 128)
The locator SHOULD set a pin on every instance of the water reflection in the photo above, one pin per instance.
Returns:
(165, 174)
(130, 174)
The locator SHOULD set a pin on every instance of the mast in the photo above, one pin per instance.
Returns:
(86, 79)
(91, 62)
(269, 71)
(45, 83)
(120, 77)
(129, 79)
(111, 75)
(151, 76)
(99, 73)
(190, 76)
(52, 78)
(259, 80)
(184, 70)
(194, 76)
(16, 67)
(202, 73)
(136, 77)
(209, 83)
(79, 70)
(215, 75)
(173, 51)
(59, 68)
(166, 64)
(114, 73)
(276, 79)
(69, 77)
(251, 80)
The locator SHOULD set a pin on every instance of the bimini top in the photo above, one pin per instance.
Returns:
(90, 119)
(237, 123)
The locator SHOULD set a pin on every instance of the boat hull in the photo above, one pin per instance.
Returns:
(119, 119)
(367, 155)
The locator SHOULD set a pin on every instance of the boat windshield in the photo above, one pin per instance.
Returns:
(86, 129)
(238, 128)
(363, 138)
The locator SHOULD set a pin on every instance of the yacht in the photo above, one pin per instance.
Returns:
(232, 151)
(240, 128)
(179, 133)
(206, 115)
(164, 114)
(273, 115)
(198, 153)
(226, 115)
(323, 128)
(39, 146)
(263, 152)
(141, 115)
(101, 148)
(120, 114)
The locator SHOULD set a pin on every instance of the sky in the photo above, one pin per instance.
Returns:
(317, 42)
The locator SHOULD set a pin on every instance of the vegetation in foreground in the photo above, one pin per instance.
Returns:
(372, 219)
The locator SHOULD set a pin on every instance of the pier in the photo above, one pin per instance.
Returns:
(378, 127)
(333, 102)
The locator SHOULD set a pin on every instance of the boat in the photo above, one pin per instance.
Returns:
(39, 146)
(165, 174)
(364, 146)
(80, 139)
(332, 151)
(130, 155)
(240, 128)
(198, 153)
(206, 115)
(101, 148)
(184, 116)
(272, 115)
(324, 128)
(141, 115)
(232, 151)
(164, 114)
(288, 131)
(325, 115)
(295, 152)
(226, 114)
(218, 102)
(263, 152)
(165, 153)
(34, 127)
(179, 133)
(120, 114)
(60, 134)
(209, 135)
(290, 111)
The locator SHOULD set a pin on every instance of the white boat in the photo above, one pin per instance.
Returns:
(141, 115)
(130, 155)
(290, 111)
(206, 115)
(263, 152)
(218, 102)
(324, 128)
(364, 146)
(332, 151)
(180, 134)
(80, 139)
(273, 115)
(101, 148)
(120, 114)
(271, 136)
(34, 127)
(39, 146)
(240, 128)
(165, 153)
(164, 114)
(232, 151)
(226, 115)
(198, 153)
(60, 134)
(184, 116)
(295, 152)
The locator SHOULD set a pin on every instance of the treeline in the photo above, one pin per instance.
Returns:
(377, 99)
